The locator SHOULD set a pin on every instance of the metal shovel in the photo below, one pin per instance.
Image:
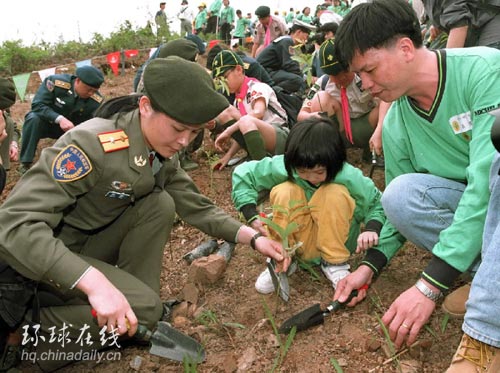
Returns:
(280, 280)
(170, 343)
(313, 315)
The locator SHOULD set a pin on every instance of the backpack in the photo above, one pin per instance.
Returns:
(290, 103)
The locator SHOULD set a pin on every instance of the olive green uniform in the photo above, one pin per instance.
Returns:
(92, 199)
(13, 134)
(56, 96)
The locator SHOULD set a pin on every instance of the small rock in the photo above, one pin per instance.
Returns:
(410, 366)
(246, 360)
(180, 321)
(272, 340)
(372, 345)
(230, 364)
(207, 269)
(190, 293)
(136, 363)
(180, 310)
(342, 362)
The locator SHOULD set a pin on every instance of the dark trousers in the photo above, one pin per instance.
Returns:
(211, 25)
(225, 33)
(129, 253)
(290, 82)
(34, 129)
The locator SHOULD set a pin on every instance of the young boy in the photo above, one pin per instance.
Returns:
(261, 128)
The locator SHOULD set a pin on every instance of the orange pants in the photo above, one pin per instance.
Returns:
(324, 227)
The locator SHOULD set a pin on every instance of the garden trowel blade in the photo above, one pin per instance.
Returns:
(172, 344)
(280, 280)
(307, 318)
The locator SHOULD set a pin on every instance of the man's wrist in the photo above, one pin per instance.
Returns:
(429, 291)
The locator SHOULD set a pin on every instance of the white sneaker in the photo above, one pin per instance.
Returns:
(264, 283)
(335, 273)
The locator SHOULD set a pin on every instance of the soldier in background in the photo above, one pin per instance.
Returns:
(62, 102)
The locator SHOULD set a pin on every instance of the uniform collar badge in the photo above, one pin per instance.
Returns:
(139, 161)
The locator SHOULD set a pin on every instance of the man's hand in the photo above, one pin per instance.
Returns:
(274, 250)
(406, 316)
(356, 280)
(66, 124)
(110, 304)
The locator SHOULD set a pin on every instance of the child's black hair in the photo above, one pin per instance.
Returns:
(315, 142)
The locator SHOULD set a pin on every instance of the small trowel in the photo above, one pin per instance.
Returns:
(170, 343)
(313, 315)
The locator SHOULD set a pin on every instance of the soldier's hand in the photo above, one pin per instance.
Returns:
(110, 304)
(66, 124)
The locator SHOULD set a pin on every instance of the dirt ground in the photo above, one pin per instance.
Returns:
(236, 332)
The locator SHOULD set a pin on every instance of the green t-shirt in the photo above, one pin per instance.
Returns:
(451, 140)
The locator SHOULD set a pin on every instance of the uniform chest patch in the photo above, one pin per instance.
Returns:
(70, 164)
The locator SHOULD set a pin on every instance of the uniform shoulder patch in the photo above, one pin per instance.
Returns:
(113, 140)
(70, 164)
(96, 97)
(62, 84)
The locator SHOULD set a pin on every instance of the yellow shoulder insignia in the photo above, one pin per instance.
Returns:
(113, 140)
(96, 97)
(62, 84)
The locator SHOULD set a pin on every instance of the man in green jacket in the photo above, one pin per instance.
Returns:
(437, 148)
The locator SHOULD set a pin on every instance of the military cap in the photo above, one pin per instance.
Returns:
(7, 93)
(225, 60)
(263, 11)
(90, 75)
(179, 47)
(306, 27)
(183, 90)
(327, 60)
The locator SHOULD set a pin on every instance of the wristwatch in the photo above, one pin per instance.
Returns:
(424, 289)
(254, 238)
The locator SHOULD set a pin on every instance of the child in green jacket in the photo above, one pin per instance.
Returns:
(333, 198)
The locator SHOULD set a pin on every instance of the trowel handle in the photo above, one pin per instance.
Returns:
(336, 305)
(142, 333)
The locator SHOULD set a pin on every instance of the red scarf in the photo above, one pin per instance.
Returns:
(267, 38)
(346, 117)
(240, 96)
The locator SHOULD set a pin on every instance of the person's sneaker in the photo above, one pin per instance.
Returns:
(264, 283)
(454, 303)
(335, 272)
(475, 356)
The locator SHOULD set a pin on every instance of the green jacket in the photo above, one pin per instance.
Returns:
(253, 177)
(90, 195)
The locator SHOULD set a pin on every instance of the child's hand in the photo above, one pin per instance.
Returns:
(221, 139)
(366, 240)
(259, 227)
